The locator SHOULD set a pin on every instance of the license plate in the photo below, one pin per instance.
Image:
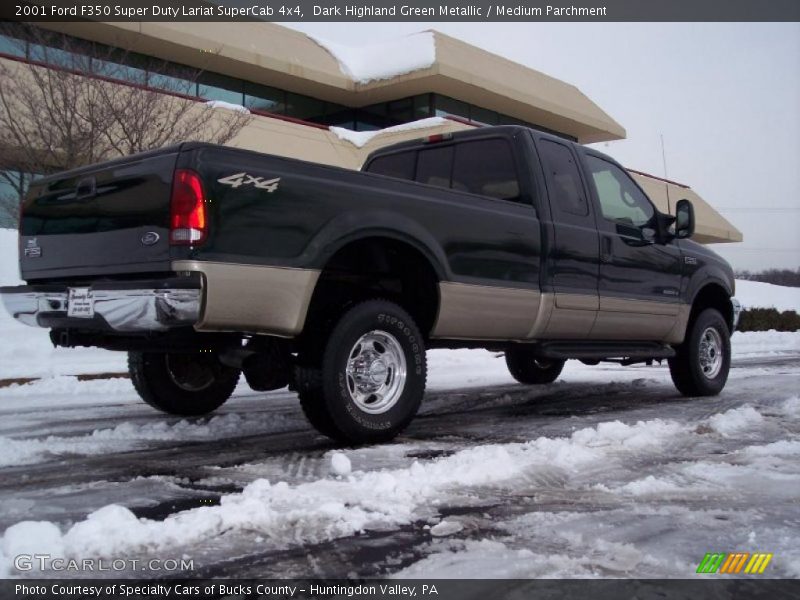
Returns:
(80, 303)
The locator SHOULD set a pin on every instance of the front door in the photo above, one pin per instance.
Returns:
(640, 276)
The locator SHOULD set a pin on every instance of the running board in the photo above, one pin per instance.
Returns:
(588, 350)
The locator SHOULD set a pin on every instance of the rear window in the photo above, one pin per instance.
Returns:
(482, 167)
(434, 166)
(486, 168)
(400, 165)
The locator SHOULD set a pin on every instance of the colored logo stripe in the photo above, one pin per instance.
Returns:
(733, 563)
(711, 562)
(758, 563)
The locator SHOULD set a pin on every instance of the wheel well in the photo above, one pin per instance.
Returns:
(376, 267)
(713, 296)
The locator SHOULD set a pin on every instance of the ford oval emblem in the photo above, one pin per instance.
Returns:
(150, 238)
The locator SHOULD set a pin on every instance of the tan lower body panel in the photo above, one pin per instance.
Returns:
(571, 317)
(633, 319)
(253, 298)
(480, 312)
(477, 312)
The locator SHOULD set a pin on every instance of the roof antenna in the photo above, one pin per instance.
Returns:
(666, 183)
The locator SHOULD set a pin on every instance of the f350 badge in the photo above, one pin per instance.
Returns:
(239, 179)
(32, 248)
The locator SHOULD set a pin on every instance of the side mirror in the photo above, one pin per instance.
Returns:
(684, 219)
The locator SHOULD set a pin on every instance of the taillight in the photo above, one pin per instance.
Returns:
(188, 222)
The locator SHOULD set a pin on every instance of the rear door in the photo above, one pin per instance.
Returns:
(572, 268)
(640, 277)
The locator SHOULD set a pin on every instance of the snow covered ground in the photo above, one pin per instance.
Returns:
(606, 473)
(755, 294)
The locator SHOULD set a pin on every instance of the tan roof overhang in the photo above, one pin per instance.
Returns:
(274, 55)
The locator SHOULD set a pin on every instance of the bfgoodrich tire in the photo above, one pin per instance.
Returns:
(527, 369)
(181, 384)
(372, 377)
(701, 364)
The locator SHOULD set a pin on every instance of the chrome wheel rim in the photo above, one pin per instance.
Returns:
(376, 372)
(711, 353)
(189, 373)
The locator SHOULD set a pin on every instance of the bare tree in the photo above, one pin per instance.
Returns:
(16, 183)
(92, 103)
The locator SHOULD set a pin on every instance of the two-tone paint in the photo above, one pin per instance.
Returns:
(506, 270)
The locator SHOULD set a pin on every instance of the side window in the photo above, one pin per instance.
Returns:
(400, 165)
(486, 167)
(621, 200)
(564, 178)
(434, 166)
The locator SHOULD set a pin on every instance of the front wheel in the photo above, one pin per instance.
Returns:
(700, 365)
(181, 384)
(527, 369)
(372, 376)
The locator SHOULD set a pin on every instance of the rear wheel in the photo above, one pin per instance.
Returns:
(527, 369)
(372, 377)
(700, 365)
(182, 384)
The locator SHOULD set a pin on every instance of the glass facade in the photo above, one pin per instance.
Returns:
(9, 197)
(17, 39)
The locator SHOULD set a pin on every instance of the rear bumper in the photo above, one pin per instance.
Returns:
(135, 306)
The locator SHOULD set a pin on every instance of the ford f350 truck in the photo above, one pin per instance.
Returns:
(204, 262)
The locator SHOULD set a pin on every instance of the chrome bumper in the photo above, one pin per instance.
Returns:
(737, 311)
(134, 310)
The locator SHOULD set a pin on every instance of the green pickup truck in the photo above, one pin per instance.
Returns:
(205, 262)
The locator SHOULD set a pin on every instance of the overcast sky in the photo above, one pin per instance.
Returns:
(726, 98)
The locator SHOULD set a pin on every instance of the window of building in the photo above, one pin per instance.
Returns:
(171, 84)
(262, 97)
(483, 116)
(563, 178)
(399, 164)
(434, 166)
(212, 86)
(621, 200)
(400, 111)
(10, 180)
(422, 106)
(118, 64)
(339, 116)
(13, 46)
(446, 106)
(486, 167)
(171, 77)
(304, 107)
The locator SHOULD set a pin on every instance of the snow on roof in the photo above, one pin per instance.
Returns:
(386, 60)
(227, 106)
(361, 138)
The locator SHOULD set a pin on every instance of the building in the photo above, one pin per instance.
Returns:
(305, 94)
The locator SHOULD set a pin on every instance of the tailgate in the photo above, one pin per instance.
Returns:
(110, 218)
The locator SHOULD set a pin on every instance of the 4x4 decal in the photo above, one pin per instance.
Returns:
(239, 179)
